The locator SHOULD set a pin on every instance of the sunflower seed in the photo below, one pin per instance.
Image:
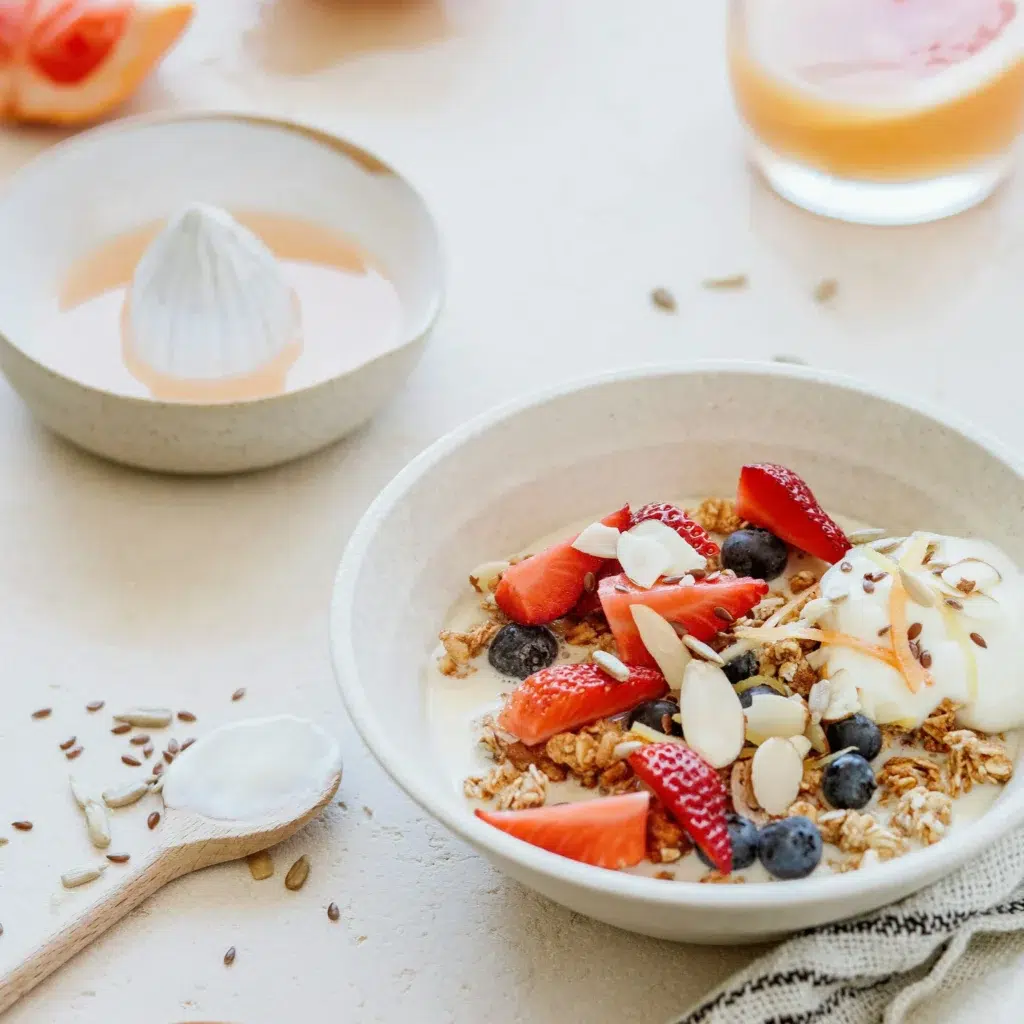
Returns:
(186, 716)
(887, 544)
(22, 826)
(118, 858)
(124, 796)
(238, 694)
(97, 825)
(79, 792)
(297, 874)
(94, 705)
(702, 650)
(146, 718)
(261, 865)
(120, 730)
(229, 956)
(611, 665)
(69, 742)
(72, 879)
(153, 820)
(133, 762)
(865, 536)
(333, 912)
(42, 713)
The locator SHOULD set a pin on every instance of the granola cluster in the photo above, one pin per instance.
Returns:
(717, 515)
(787, 660)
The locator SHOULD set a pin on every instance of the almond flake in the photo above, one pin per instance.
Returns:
(711, 713)
(684, 557)
(776, 774)
(801, 744)
(770, 715)
(973, 573)
(598, 540)
(643, 560)
(887, 544)
(917, 590)
(611, 665)
(662, 643)
(814, 611)
(702, 650)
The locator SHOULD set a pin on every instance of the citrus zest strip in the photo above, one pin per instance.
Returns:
(821, 636)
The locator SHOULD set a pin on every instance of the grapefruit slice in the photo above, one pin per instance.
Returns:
(71, 61)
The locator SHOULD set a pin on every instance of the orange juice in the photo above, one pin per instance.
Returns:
(880, 91)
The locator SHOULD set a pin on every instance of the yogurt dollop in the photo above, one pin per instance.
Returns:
(981, 675)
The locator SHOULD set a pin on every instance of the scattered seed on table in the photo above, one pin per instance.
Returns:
(22, 826)
(153, 820)
(73, 752)
(186, 743)
(147, 751)
(158, 768)
(186, 716)
(118, 858)
(664, 299)
(140, 740)
(979, 639)
(826, 289)
(297, 874)
(238, 694)
(173, 747)
(134, 762)
(68, 743)
(124, 796)
(120, 730)
(42, 713)
(333, 912)
(368, 811)
(229, 956)
(146, 718)
(4, 840)
(261, 865)
(72, 879)
(94, 705)
(168, 756)
(726, 283)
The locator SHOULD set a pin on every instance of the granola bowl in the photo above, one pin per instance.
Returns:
(494, 486)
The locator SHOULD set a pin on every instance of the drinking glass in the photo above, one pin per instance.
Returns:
(879, 111)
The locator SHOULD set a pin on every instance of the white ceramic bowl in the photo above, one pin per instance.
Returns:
(523, 471)
(108, 181)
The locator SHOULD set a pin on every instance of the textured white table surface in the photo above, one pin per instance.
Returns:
(576, 154)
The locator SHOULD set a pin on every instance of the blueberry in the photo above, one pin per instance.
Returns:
(856, 731)
(522, 650)
(745, 839)
(652, 714)
(747, 696)
(743, 666)
(790, 848)
(848, 782)
(755, 552)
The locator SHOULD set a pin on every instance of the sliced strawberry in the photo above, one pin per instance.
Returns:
(777, 499)
(14, 19)
(693, 792)
(608, 833)
(693, 533)
(567, 696)
(691, 606)
(590, 603)
(74, 38)
(546, 586)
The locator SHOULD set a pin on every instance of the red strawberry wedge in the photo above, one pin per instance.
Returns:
(566, 696)
(546, 586)
(693, 533)
(691, 606)
(777, 499)
(694, 794)
(608, 832)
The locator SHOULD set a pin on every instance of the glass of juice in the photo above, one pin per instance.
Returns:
(880, 111)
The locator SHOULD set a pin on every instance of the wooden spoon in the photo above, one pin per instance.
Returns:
(188, 842)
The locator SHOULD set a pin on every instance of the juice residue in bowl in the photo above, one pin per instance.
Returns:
(349, 312)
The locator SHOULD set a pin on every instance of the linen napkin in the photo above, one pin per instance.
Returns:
(893, 966)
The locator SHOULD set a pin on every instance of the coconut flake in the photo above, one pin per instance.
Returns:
(643, 560)
(770, 715)
(598, 540)
(662, 643)
(776, 774)
(711, 713)
(843, 699)
(684, 557)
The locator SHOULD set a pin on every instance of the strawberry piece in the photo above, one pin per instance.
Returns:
(546, 586)
(567, 696)
(777, 499)
(693, 533)
(691, 606)
(608, 833)
(71, 41)
(693, 793)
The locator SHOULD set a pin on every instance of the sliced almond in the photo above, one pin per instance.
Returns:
(983, 575)
(802, 745)
(843, 699)
(685, 558)
(814, 611)
(743, 800)
(643, 560)
(818, 699)
(770, 715)
(865, 536)
(816, 734)
(662, 643)
(611, 665)
(702, 650)
(711, 713)
(917, 589)
(776, 773)
(598, 540)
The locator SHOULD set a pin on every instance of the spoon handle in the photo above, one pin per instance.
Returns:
(137, 882)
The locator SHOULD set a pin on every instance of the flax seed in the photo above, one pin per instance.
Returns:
(926, 660)
(118, 858)
(73, 752)
(229, 956)
(915, 631)
(869, 587)
(22, 826)
(69, 742)
(173, 747)
(979, 639)
(42, 713)
(132, 762)
(141, 740)
(186, 716)
(94, 705)
(845, 567)
(121, 729)
(153, 820)
(724, 614)
(333, 912)
(238, 694)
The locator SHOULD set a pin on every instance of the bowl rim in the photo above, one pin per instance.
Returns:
(901, 873)
(369, 161)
